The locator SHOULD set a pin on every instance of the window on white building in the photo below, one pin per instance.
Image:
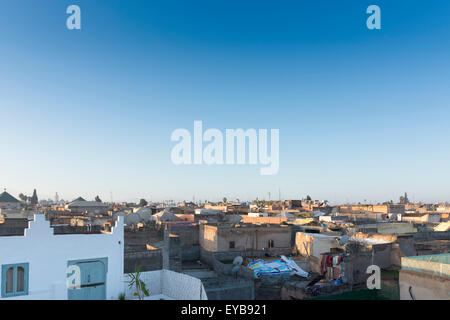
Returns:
(14, 280)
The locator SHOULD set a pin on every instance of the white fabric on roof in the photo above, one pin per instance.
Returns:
(285, 214)
(319, 214)
(165, 215)
(132, 218)
(297, 270)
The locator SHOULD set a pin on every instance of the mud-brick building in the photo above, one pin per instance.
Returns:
(243, 238)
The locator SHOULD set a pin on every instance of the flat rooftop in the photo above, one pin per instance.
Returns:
(434, 264)
(17, 227)
(439, 258)
(246, 226)
(370, 240)
(321, 235)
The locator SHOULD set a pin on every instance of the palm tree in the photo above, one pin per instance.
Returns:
(135, 281)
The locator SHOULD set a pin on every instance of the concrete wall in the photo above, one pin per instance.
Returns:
(357, 263)
(14, 227)
(314, 244)
(226, 286)
(269, 220)
(426, 218)
(403, 247)
(238, 290)
(170, 284)
(389, 228)
(208, 238)
(175, 254)
(422, 286)
(48, 255)
(190, 253)
(145, 249)
(436, 235)
(136, 251)
(392, 208)
(188, 234)
(148, 260)
(257, 239)
(217, 239)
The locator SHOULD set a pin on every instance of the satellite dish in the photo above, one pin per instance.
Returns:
(238, 261)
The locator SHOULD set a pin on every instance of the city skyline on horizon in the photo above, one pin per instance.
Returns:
(274, 197)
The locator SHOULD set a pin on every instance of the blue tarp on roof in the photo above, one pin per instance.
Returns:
(281, 267)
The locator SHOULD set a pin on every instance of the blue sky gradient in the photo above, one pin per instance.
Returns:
(363, 114)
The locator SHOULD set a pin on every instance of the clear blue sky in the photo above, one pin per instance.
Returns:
(363, 114)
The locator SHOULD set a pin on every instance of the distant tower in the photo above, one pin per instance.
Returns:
(56, 197)
(34, 198)
(404, 199)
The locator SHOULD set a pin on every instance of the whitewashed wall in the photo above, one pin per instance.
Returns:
(48, 254)
(170, 284)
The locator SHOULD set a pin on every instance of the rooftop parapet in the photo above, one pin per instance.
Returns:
(435, 264)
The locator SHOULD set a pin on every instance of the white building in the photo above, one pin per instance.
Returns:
(258, 214)
(208, 211)
(41, 265)
(36, 265)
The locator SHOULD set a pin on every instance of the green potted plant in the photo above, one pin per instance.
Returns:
(139, 285)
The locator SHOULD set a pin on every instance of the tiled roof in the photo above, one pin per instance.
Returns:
(6, 197)
(87, 204)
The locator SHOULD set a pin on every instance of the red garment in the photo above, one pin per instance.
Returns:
(323, 264)
(329, 261)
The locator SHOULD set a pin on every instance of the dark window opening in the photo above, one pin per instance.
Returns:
(14, 280)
